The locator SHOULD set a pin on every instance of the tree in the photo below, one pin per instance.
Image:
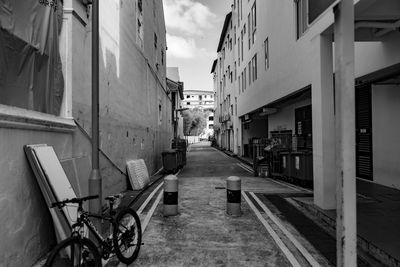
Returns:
(194, 121)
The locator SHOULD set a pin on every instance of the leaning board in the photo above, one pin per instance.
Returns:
(57, 179)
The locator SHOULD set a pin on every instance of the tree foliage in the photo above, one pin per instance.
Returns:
(194, 121)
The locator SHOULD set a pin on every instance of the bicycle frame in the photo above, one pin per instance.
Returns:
(83, 219)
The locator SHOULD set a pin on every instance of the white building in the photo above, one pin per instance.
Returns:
(176, 87)
(202, 100)
(198, 99)
(274, 77)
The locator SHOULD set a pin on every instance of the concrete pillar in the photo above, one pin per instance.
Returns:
(323, 125)
(346, 231)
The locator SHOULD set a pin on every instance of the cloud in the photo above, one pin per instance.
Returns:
(188, 16)
(181, 47)
(186, 48)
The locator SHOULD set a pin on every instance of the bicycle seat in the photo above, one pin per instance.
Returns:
(113, 198)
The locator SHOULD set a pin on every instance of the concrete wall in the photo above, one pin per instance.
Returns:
(26, 226)
(135, 120)
(135, 110)
(386, 134)
(291, 61)
(373, 56)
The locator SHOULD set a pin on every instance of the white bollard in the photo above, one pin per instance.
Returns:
(233, 196)
(170, 195)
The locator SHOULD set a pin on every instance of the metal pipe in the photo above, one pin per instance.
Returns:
(95, 183)
(373, 24)
(393, 27)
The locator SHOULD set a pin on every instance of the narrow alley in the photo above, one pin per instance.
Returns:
(202, 234)
(199, 133)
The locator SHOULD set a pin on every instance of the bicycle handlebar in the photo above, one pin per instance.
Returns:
(73, 200)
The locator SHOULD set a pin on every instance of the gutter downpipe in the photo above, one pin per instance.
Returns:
(95, 181)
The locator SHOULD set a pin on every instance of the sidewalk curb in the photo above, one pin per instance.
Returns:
(248, 163)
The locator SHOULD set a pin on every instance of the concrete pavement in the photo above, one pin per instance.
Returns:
(202, 234)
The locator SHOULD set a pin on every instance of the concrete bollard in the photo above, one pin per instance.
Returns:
(233, 196)
(170, 195)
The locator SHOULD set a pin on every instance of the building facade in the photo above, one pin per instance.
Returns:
(176, 87)
(202, 100)
(277, 82)
(45, 98)
(198, 99)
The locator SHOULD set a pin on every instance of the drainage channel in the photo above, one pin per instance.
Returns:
(317, 236)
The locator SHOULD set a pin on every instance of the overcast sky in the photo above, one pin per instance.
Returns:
(193, 31)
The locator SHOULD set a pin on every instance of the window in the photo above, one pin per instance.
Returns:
(254, 22)
(249, 34)
(266, 53)
(241, 44)
(211, 118)
(244, 78)
(249, 67)
(238, 12)
(159, 113)
(254, 64)
(301, 17)
(188, 96)
(210, 126)
(239, 85)
(239, 51)
(242, 82)
(140, 6)
(139, 26)
(236, 106)
(241, 9)
(234, 32)
(235, 71)
(187, 103)
(162, 57)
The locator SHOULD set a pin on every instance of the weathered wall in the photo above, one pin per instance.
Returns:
(135, 111)
(26, 226)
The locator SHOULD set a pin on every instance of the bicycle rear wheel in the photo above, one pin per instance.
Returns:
(127, 236)
(74, 251)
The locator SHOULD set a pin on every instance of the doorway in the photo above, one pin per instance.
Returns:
(364, 132)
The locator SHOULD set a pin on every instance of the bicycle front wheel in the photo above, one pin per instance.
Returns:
(127, 236)
(74, 251)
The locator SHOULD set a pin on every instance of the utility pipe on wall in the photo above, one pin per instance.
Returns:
(95, 183)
